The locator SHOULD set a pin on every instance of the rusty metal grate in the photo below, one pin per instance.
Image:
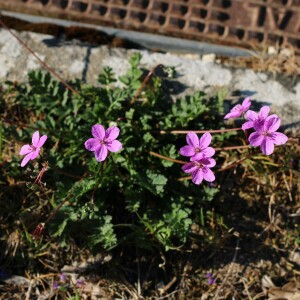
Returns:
(235, 22)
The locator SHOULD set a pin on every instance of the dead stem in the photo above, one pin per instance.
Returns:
(28, 293)
(234, 164)
(229, 269)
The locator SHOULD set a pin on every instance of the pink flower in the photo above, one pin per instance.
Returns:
(200, 170)
(266, 136)
(239, 109)
(32, 151)
(103, 141)
(55, 285)
(197, 148)
(210, 279)
(62, 277)
(80, 282)
(256, 119)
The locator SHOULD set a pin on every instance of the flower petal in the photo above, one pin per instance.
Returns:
(25, 150)
(35, 153)
(26, 159)
(198, 156)
(208, 152)
(211, 163)
(192, 139)
(272, 124)
(259, 125)
(279, 138)
(197, 176)
(42, 141)
(264, 111)
(114, 146)
(267, 146)
(251, 115)
(208, 174)
(247, 125)
(101, 153)
(205, 140)
(189, 167)
(92, 144)
(246, 104)
(35, 139)
(233, 114)
(112, 133)
(187, 150)
(255, 139)
(98, 132)
(207, 162)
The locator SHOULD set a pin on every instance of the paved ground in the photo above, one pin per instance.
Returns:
(77, 60)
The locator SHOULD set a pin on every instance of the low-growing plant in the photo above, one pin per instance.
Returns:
(130, 189)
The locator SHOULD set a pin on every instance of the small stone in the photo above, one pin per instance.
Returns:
(272, 50)
(209, 57)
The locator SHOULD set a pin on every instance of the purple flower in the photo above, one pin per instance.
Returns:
(103, 141)
(266, 136)
(210, 279)
(62, 277)
(55, 285)
(256, 119)
(32, 151)
(200, 169)
(239, 109)
(79, 282)
(197, 148)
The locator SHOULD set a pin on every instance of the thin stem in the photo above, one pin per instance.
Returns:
(138, 92)
(235, 163)
(101, 168)
(167, 158)
(198, 131)
(55, 211)
(42, 63)
(59, 171)
(232, 148)
(184, 178)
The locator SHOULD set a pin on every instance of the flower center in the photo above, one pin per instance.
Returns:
(265, 133)
(199, 165)
(103, 142)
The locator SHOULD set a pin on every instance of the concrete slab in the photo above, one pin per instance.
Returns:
(76, 60)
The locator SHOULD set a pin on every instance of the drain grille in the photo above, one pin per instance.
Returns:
(234, 22)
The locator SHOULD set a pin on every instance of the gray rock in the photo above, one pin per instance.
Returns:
(76, 60)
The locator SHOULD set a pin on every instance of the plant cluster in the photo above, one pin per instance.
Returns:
(136, 195)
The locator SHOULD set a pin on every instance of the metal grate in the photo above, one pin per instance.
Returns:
(235, 22)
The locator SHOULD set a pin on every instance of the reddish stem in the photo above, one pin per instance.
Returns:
(198, 131)
(232, 148)
(138, 92)
(168, 158)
